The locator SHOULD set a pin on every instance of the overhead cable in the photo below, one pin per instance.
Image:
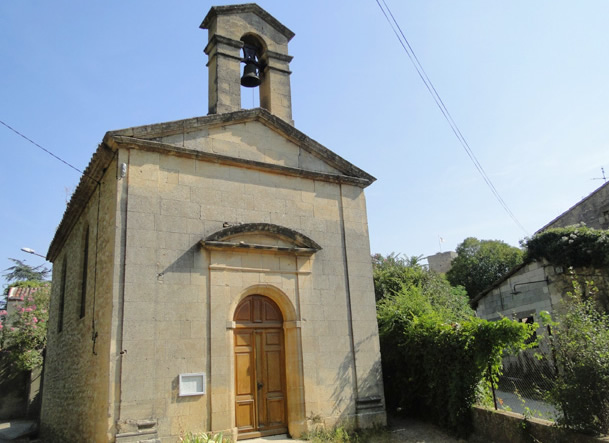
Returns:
(397, 30)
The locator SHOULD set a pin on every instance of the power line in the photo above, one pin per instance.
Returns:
(397, 30)
(48, 152)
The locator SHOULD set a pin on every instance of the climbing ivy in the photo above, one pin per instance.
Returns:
(574, 246)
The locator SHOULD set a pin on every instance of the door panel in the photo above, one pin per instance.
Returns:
(244, 380)
(259, 368)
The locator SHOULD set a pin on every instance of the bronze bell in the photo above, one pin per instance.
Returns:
(250, 78)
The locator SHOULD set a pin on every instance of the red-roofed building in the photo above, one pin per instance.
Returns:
(16, 295)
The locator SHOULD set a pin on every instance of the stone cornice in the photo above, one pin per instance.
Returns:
(118, 141)
(139, 138)
(222, 40)
(258, 114)
(245, 8)
(89, 181)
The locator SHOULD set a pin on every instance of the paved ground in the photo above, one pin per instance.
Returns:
(15, 431)
(538, 409)
(405, 430)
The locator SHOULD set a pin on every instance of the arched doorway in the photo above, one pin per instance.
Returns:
(260, 386)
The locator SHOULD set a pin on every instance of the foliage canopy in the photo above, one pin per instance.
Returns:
(23, 272)
(480, 263)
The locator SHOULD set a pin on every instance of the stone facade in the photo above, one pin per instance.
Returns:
(186, 220)
(592, 210)
(533, 288)
(528, 290)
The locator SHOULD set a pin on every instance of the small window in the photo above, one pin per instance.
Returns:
(85, 263)
(62, 295)
(529, 321)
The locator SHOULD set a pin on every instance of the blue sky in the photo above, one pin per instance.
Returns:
(527, 83)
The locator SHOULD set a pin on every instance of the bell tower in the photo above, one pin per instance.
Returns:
(247, 34)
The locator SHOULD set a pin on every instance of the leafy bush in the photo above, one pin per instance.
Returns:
(23, 335)
(394, 273)
(581, 345)
(434, 358)
(574, 246)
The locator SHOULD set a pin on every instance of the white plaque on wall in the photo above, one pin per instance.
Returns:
(192, 384)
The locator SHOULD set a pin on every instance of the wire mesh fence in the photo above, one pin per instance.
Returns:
(525, 382)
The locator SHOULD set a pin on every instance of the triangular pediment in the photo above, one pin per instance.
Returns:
(251, 136)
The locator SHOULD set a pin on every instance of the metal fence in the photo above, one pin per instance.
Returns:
(525, 382)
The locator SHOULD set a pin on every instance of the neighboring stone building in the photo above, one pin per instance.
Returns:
(214, 273)
(526, 291)
(592, 210)
(538, 286)
(441, 261)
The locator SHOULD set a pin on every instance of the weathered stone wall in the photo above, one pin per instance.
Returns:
(76, 383)
(524, 293)
(509, 427)
(179, 299)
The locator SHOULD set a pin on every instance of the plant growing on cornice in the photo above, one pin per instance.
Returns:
(574, 246)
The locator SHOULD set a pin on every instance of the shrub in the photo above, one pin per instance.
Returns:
(393, 274)
(434, 358)
(581, 344)
(23, 335)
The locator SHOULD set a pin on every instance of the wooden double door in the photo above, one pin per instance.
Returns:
(260, 392)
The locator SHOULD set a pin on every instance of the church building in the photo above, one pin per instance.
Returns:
(214, 273)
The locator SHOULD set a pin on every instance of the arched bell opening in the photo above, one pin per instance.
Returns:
(254, 63)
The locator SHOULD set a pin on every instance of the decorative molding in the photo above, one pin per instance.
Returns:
(262, 270)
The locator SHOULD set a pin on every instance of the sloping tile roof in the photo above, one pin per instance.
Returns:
(17, 293)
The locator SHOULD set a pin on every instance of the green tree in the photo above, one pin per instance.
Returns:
(480, 263)
(22, 272)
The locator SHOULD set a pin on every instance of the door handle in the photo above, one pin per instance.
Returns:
(260, 385)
